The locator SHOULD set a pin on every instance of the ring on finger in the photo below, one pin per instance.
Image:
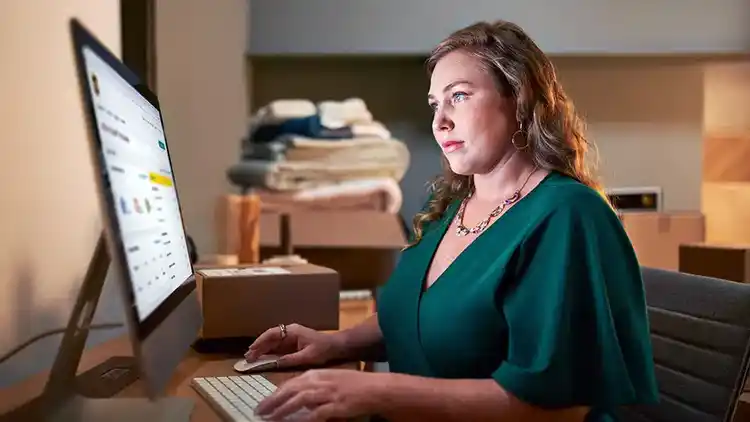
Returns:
(282, 327)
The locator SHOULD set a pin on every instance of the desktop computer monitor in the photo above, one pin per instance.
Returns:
(141, 211)
(143, 238)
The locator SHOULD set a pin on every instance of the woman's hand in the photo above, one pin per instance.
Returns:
(301, 346)
(325, 394)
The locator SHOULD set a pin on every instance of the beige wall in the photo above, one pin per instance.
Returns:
(645, 114)
(201, 83)
(49, 220)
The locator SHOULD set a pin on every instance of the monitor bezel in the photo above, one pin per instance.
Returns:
(141, 329)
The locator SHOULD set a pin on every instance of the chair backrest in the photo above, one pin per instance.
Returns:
(700, 332)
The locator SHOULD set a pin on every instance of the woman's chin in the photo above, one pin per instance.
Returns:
(460, 167)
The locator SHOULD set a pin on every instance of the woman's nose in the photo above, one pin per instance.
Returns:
(441, 122)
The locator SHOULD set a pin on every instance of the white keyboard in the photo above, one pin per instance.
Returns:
(235, 398)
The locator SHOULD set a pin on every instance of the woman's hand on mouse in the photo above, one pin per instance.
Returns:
(301, 346)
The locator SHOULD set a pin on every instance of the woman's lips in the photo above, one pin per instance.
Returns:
(450, 146)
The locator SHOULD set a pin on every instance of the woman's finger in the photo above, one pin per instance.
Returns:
(306, 356)
(264, 344)
(302, 401)
(278, 397)
(324, 412)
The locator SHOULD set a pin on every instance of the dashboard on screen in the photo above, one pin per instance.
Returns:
(141, 183)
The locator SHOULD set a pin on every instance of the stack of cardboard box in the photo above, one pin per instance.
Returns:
(360, 245)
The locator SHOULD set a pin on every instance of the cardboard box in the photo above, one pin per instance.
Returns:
(362, 246)
(728, 262)
(246, 301)
(657, 236)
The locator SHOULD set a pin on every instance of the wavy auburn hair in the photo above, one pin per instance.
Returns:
(554, 131)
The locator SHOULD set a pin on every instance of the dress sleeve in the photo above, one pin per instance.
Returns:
(578, 331)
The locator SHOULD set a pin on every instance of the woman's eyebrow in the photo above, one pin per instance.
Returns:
(451, 85)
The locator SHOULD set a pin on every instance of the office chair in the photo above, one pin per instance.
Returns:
(700, 331)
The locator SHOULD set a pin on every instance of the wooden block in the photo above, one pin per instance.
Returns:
(726, 158)
(249, 226)
(726, 207)
(227, 220)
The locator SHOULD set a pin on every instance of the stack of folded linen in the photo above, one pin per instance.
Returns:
(320, 152)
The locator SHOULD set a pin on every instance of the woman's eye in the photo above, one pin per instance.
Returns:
(459, 96)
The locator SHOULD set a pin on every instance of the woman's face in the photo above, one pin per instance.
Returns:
(473, 121)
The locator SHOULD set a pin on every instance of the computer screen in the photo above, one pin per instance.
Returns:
(138, 168)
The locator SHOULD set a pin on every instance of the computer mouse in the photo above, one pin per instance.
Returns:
(264, 364)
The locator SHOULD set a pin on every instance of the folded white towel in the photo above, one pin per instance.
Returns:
(338, 114)
(369, 130)
(388, 186)
(280, 110)
(295, 141)
(351, 112)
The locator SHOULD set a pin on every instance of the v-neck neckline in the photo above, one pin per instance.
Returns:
(448, 219)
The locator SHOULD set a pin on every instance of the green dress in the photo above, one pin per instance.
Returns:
(548, 301)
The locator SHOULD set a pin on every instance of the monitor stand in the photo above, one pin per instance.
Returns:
(61, 401)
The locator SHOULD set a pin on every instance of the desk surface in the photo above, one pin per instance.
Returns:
(194, 365)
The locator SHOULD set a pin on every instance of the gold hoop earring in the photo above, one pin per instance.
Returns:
(515, 144)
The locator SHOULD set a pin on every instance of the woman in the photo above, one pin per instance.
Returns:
(519, 297)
